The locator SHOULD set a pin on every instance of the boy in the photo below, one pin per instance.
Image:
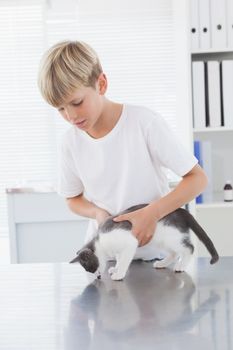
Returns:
(113, 155)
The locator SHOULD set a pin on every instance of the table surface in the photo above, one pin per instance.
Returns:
(60, 306)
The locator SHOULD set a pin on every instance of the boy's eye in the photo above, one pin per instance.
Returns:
(77, 104)
(61, 109)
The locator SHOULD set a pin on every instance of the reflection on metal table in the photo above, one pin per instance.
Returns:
(60, 306)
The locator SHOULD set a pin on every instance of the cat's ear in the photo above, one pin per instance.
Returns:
(75, 259)
(83, 256)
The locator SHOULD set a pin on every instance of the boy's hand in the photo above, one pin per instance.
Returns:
(143, 224)
(101, 215)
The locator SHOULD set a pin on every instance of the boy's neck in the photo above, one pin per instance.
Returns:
(108, 119)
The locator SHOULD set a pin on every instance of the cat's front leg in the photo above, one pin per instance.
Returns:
(113, 269)
(102, 266)
(123, 261)
(118, 276)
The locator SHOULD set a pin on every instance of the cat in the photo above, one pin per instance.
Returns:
(114, 240)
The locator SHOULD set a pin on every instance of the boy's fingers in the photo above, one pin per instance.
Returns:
(142, 243)
(144, 240)
(138, 236)
(119, 218)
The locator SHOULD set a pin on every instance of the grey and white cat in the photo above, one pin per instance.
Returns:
(114, 240)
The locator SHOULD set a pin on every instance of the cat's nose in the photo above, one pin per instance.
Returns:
(98, 275)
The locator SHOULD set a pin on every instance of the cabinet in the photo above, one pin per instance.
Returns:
(42, 228)
(214, 214)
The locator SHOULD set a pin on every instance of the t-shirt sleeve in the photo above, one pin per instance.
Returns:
(69, 182)
(166, 148)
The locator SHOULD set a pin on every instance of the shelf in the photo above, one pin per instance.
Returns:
(217, 202)
(217, 129)
(207, 51)
(215, 205)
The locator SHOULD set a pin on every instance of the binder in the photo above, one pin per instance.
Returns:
(221, 93)
(218, 24)
(214, 94)
(206, 153)
(198, 155)
(198, 81)
(229, 11)
(207, 115)
(227, 89)
(194, 25)
(204, 24)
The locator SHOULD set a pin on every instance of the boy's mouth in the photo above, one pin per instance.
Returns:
(81, 124)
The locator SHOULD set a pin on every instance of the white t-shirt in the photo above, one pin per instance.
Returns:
(126, 166)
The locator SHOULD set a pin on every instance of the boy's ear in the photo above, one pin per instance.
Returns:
(102, 84)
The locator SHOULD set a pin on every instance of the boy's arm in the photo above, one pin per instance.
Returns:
(191, 185)
(144, 220)
(81, 206)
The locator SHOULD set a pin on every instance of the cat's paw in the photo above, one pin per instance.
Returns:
(159, 264)
(116, 276)
(112, 270)
(178, 267)
(178, 270)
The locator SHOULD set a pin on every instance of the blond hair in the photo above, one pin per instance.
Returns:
(65, 67)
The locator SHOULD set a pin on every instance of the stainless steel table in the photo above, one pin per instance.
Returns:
(59, 306)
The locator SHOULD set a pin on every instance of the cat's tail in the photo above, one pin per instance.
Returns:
(203, 237)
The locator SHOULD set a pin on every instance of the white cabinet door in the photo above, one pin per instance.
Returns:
(217, 222)
(43, 229)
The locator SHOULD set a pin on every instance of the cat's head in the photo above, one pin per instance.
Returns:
(87, 258)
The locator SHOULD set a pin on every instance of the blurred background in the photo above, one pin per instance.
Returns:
(135, 43)
(153, 53)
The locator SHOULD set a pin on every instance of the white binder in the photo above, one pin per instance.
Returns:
(227, 86)
(204, 24)
(214, 93)
(194, 25)
(229, 12)
(198, 95)
(218, 24)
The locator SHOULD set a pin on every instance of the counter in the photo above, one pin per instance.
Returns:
(60, 306)
(39, 220)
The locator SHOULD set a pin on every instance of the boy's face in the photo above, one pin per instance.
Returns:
(83, 108)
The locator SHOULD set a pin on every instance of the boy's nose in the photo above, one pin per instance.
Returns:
(71, 114)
